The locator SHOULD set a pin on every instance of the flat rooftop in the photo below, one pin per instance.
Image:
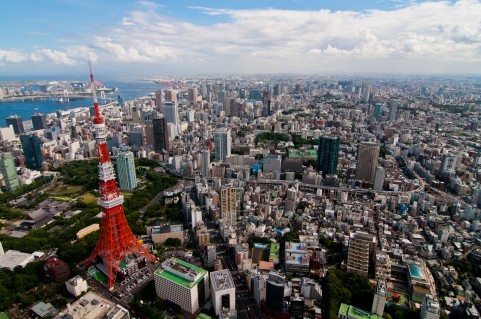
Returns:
(89, 306)
(353, 312)
(221, 280)
(181, 272)
(14, 258)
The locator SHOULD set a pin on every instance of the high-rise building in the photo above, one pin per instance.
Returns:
(159, 100)
(367, 161)
(39, 121)
(171, 96)
(449, 163)
(266, 103)
(362, 248)
(223, 143)
(205, 168)
(183, 284)
(16, 122)
(430, 308)
(377, 111)
(9, 173)
(161, 135)
(392, 110)
(328, 154)
(379, 178)
(275, 292)
(126, 170)
(228, 204)
(171, 115)
(192, 95)
(379, 300)
(32, 151)
(222, 291)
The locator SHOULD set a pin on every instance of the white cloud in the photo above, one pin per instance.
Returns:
(12, 56)
(419, 37)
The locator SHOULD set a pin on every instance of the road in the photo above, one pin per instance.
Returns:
(247, 307)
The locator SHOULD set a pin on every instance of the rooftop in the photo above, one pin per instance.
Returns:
(14, 258)
(181, 272)
(353, 312)
(221, 280)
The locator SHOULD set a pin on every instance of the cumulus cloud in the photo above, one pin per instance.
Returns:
(447, 35)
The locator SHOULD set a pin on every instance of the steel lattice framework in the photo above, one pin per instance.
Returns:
(116, 239)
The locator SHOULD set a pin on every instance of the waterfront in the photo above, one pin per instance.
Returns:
(126, 89)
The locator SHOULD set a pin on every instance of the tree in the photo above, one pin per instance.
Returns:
(176, 242)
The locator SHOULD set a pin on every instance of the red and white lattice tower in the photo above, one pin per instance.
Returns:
(116, 240)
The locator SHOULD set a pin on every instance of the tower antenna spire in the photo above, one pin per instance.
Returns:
(98, 117)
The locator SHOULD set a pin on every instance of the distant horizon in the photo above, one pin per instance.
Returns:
(150, 77)
(129, 38)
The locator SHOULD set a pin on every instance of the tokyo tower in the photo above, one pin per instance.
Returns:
(116, 240)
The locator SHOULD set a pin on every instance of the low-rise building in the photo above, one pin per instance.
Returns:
(76, 286)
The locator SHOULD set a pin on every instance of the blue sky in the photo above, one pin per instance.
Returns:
(191, 37)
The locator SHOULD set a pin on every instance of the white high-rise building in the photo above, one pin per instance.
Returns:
(126, 171)
(222, 143)
(379, 178)
(379, 300)
(223, 291)
(183, 284)
(171, 114)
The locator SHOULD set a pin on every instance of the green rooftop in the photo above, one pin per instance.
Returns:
(356, 313)
(274, 252)
(166, 274)
(295, 153)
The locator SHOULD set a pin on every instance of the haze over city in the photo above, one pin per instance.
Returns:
(191, 37)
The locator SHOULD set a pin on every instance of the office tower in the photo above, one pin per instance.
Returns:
(379, 179)
(39, 121)
(226, 105)
(392, 110)
(367, 161)
(362, 248)
(192, 95)
(266, 103)
(228, 204)
(275, 292)
(205, 168)
(161, 135)
(430, 308)
(222, 291)
(379, 300)
(159, 100)
(171, 96)
(171, 115)
(223, 143)
(449, 163)
(9, 173)
(16, 122)
(183, 284)
(126, 170)
(116, 240)
(377, 111)
(328, 154)
(32, 151)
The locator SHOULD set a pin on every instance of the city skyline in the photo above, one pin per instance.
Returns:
(159, 38)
